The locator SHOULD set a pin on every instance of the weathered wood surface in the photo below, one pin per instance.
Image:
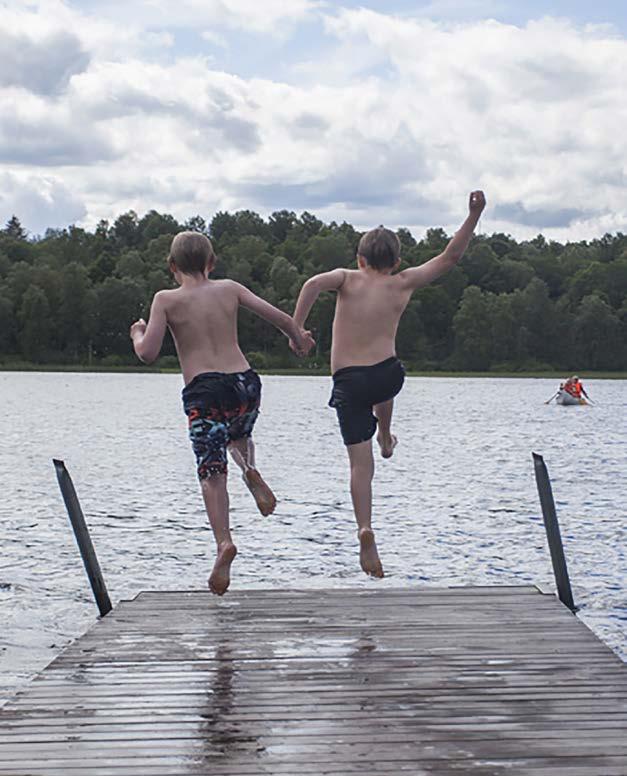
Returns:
(485, 681)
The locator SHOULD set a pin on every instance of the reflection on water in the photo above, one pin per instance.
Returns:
(456, 506)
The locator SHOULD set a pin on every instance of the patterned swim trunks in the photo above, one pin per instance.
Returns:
(220, 407)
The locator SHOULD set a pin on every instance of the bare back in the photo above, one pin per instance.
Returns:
(368, 309)
(203, 322)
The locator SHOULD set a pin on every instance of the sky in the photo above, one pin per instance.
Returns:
(373, 112)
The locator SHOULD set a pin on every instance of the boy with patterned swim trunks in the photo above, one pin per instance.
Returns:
(222, 393)
(367, 375)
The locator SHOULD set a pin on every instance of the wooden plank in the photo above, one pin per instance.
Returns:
(607, 766)
(347, 730)
(247, 748)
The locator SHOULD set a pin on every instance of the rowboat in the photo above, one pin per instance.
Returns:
(567, 399)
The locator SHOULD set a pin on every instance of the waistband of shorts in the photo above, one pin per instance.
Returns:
(374, 367)
(202, 376)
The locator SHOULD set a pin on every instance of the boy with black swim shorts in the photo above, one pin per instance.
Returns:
(222, 393)
(367, 375)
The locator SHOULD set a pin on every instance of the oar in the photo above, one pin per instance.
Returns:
(552, 397)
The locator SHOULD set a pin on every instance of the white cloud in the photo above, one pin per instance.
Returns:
(39, 201)
(422, 113)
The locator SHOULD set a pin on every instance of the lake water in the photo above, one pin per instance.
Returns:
(457, 505)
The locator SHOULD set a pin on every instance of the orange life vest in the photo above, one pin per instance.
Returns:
(574, 389)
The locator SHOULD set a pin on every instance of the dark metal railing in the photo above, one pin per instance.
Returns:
(556, 548)
(81, 532)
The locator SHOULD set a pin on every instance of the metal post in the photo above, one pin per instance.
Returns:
(81, 532)
(560, 570)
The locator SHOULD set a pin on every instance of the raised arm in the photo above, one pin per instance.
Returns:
(147, 339)
(311, 290)
(417, 277)
(273, 315)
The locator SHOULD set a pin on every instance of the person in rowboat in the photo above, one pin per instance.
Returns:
(575, 387)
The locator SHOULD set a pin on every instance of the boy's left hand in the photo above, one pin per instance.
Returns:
(139, 327)
(306, 344)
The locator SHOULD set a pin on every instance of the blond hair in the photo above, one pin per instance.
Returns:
(191, 252)
(380, 248)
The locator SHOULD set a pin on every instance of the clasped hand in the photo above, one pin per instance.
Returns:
(307, 343)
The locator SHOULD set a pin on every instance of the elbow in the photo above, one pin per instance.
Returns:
(145, 355)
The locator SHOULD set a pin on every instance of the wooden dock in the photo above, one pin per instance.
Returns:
(487, 681)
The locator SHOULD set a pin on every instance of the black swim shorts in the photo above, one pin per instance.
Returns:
(220, 407)
(356, 389)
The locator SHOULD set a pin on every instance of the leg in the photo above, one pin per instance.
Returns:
(216, 499)
(243, 453)
(387, 441)
(362, 472)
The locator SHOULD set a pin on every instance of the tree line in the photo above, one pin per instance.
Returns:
(70, 296)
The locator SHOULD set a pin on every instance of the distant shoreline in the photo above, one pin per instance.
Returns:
(556, 375)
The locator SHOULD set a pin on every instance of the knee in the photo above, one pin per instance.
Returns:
(215, 481)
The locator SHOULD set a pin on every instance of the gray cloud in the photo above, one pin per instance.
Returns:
(51, 142)
(557, 77)
(217, 128)
(517, 213)
(39, 203)
(206, 125)
(42, 66)
(309, 124)
(380, 175)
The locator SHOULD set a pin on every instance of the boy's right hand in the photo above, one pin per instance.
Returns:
(305, 344)
(139, 327)
(476, 202)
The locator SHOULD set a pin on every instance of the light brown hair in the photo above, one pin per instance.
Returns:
(191, 252)
(380, 248)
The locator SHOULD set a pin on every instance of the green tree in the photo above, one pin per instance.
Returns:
(598, 343)
(473, 331)
(280, 224)
(154, 224)
(74, 309)
(7, 326)
(130, 265)
(35, 325)
(197, 224)
(284, 277)
(125, 231)
(118, 302)
(330, 251)
(538, 315)
(508, 276)
(14, 229)
(436, 311)
(480, 264)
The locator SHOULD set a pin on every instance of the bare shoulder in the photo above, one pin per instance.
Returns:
(165, 297)
(344, 276)
(231, 288)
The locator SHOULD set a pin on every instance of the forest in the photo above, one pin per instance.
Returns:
(68, 297)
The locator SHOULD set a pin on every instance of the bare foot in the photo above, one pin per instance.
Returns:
(368, 555)
(220, 577)
(266, 501)
(387, 445)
